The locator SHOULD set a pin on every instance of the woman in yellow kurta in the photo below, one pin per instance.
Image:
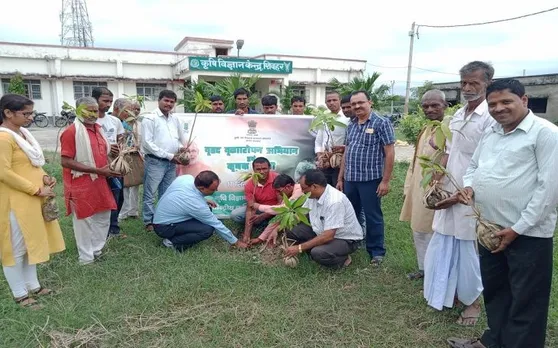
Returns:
(25, 238)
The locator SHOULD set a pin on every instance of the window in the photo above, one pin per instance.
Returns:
(32, 88)
(84, 88)
(150, 90)
(538, 105)
(299, 91)
(221, 52)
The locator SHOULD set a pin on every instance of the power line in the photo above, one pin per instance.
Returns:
(415, 67)
(485, 23)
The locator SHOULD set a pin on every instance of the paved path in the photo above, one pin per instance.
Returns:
(48, 137)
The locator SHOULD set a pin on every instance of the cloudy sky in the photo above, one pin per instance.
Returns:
(351, 29)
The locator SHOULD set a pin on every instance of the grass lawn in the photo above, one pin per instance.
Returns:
(144, 295)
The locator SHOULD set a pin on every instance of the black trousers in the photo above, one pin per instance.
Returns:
(517, 293)
(332, 254)
(184, 234)
(331, 175)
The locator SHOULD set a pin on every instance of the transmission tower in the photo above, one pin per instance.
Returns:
(76, 27)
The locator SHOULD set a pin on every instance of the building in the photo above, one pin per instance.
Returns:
(542, 91)
(54, 74)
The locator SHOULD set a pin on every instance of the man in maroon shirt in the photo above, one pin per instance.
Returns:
(262, 193)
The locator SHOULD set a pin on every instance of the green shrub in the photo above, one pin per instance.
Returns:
(410, 126)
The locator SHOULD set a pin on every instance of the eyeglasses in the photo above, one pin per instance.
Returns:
(27, 113)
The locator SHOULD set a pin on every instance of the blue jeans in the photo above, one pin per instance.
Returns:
(118, 193)
(158, 176)
(363, 196)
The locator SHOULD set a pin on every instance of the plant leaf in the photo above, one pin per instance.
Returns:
(303, 210)
(275, 219)
(426, 180)
(338, 124)
(281, 210)
(302, 218)
(440, 139)
(300, 201)
(286, 201)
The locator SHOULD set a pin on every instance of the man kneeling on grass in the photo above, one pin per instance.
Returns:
(183, 217)
(335, 232)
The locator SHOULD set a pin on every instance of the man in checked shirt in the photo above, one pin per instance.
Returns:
(366, 169)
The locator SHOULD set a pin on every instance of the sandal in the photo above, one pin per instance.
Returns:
(42, 292)
(416, 275)
(469, 320)
(27, 302)
(376, 261)
(465, 343)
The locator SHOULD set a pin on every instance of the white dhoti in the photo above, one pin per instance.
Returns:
(451, 265)
(91, 235)
(130, 206)
(421, 245)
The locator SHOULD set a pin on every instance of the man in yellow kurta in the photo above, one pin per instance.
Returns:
(26, 239)
(433, 104)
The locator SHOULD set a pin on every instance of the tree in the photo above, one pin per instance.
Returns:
(17, 86)
(379, 95)
(285, 100)
(190, 92)
(226, 87)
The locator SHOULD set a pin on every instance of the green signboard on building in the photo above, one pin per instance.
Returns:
(241, 65)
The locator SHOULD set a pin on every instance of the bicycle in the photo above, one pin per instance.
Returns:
(67, 118)
(40, 120)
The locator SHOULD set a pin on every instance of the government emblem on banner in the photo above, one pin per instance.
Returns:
(252, 128)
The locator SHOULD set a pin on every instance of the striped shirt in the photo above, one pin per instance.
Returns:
(513, 176)
(364, 152)
(334, 211)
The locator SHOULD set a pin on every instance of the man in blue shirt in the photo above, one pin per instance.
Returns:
(183, 217)
(366, 169)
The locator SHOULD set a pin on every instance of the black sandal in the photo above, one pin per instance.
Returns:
(415, 275)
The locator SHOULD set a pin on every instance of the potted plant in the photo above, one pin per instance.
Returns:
(332, 155)
(200, 104)
(485, 230)
(288, 216)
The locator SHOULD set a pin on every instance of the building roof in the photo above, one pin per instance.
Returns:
(202, 39)
(311, 57)
(552, 75)
(96, 48)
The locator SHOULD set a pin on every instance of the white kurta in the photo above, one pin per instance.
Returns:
(451, 263)
(466, 133)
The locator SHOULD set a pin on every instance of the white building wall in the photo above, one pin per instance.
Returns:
(57, 67)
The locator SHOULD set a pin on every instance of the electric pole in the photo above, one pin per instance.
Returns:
(409, 67)
(392, 84)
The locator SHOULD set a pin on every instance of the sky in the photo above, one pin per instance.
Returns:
(356, 29)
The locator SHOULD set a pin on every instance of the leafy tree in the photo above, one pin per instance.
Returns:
(378, 94)
(17, 86)
(190, 92)
(226, 87)
(285, 100)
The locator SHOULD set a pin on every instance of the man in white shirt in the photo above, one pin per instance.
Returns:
(161, 140)
(334, 232)
(327, 140)
(512, 180)
(114, 131)
(451, 264)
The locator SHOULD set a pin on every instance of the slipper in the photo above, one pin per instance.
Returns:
(461, 320)
(465, 343)
(27, 302)
(415, 275)
(42, 292)
(348, 261)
